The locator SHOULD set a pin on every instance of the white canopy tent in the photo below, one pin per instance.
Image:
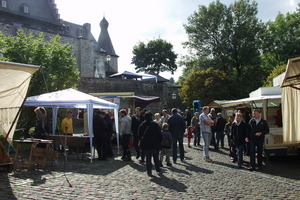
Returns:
(70, 98)
(290, 102)
(14, 82)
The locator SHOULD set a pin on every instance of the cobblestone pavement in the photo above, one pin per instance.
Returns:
(193, 179)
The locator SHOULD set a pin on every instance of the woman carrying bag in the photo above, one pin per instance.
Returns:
(150, 142)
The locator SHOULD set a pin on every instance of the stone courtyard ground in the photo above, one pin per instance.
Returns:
(193, 179)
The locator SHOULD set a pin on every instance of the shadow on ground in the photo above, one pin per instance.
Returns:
(5, 187)
(170, 183)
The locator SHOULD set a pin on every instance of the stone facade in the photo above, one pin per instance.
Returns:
(41, 16)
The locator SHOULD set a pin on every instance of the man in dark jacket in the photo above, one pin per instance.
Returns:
(150, 142)
(258, 129)
(100, 134)
(136, 121)
(177, 129)
(219, 128)
(239, 134)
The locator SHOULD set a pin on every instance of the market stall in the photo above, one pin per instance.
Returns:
(70, 98)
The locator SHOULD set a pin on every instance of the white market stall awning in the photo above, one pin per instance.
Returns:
(70, 98)
(248, 100)
(14, 83)
(290, 102)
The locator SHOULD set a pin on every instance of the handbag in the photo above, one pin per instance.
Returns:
(140, 141)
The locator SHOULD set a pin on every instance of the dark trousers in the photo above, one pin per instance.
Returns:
(178, 139)
(256, 146)
(149, 154)
(220, 138)
(102, 147)
(197, 137)
(136, 145)
(126, 151)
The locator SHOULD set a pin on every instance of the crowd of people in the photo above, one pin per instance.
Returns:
(158, 136)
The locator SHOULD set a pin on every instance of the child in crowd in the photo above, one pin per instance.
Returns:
(166, 145)
(189, 134)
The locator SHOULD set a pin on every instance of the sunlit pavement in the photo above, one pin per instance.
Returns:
(192, 179)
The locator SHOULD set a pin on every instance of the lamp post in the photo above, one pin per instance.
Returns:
(174, 96)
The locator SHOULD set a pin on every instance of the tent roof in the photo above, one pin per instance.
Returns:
(126, 74)
(248, 100)
(68, 98)
(155, 77)
(292, 75)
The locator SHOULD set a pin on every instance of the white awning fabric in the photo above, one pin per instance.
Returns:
(290, 102)
(14, 83)
(248, 100)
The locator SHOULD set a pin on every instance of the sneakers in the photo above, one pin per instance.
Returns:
(207, 160)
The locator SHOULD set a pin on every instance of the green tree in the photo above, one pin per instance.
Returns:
(281, 40)
(155, 56)
(206, 85)
(276, 72)
(228, 39)
(59, 71)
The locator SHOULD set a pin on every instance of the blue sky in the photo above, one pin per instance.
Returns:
(132, 21)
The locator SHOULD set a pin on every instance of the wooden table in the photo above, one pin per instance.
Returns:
(38, 156)
(77, 144)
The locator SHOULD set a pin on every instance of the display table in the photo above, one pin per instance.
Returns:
(38, 156)
(77, 144)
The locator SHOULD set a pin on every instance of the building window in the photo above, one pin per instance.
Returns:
(4, 4)
(25, 9)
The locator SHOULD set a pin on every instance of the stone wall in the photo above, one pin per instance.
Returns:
(161, 90)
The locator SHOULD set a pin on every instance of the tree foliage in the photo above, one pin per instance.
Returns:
(228, 39)
(281, 39)
(276, 72)
(206, 85)
(155, 56)
(59, 71)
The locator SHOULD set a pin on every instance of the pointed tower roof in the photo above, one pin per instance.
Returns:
(104, 41)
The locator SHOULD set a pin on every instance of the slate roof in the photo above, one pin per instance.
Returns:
(38, 10)
(104, 41)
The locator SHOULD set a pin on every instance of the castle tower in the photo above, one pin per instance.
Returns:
(106, 49)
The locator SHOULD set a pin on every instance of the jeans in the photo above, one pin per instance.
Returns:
(256, 146)
(197, 137)
(207, 139)
(220, 137)
(149, 154)
(181, 149)
(126, 150)
(213, 140)
(240, 151)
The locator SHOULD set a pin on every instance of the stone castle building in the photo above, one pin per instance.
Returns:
(95, 58)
